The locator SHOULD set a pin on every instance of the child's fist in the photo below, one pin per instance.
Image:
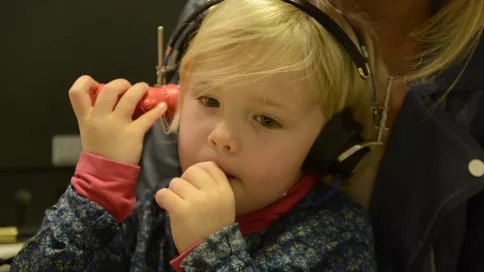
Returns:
(106, 128)
(199, 203)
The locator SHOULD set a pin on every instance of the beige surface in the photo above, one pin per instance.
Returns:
(8, 250)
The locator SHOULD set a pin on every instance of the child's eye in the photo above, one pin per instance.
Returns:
(267, 121)
(209, 102)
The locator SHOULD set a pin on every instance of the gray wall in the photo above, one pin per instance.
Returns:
(44, 47)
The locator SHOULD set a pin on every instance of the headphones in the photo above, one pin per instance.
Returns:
(340, 146)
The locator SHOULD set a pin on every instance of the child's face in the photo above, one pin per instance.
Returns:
(259, 134)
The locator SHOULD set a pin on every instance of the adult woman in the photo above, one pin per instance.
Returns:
(430, 185)
(428, 192)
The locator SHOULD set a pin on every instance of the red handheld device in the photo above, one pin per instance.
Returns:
(155, 95)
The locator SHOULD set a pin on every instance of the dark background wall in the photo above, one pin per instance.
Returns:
(44, 47)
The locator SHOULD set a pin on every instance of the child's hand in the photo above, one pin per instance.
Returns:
(199, 203)
(106, 128)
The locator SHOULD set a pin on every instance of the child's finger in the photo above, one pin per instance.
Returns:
(215, 172)
(79, 95)
(199, 178)
(169, 201)
(128, 102)
(108, 97)
(148, 119)
(182, 188)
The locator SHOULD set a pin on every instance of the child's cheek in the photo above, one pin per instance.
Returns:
(189, 136)
(275, 163)
(265, 166)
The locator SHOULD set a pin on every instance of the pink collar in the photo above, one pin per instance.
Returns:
(258, 220)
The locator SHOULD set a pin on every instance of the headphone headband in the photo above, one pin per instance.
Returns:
(325, 20)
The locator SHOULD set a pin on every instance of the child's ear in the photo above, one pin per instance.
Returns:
(183, 78)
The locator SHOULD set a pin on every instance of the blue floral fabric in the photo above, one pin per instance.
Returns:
(79, 235)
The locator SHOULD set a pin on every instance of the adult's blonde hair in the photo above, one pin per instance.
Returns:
(451, 35)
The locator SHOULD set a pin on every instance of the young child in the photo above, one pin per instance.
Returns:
(258, 83)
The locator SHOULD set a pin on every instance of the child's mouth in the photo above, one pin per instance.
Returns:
(228, 175)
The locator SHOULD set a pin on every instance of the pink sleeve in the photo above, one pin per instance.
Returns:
(109, 183)
(176, 263)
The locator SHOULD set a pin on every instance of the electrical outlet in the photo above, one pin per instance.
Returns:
(66, 150)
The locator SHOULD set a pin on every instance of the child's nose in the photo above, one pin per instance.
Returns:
(223, 140)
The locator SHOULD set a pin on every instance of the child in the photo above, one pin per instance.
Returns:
(258, 83)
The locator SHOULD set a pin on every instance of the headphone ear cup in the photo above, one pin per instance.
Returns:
(341, 133)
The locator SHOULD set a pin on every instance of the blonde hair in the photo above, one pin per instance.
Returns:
(256, 39)
(451, 35)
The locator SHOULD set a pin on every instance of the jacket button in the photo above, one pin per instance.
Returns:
(476, 168)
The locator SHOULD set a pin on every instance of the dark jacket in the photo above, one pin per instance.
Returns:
(427, 208)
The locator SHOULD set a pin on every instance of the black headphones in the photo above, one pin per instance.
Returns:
(339, 147)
